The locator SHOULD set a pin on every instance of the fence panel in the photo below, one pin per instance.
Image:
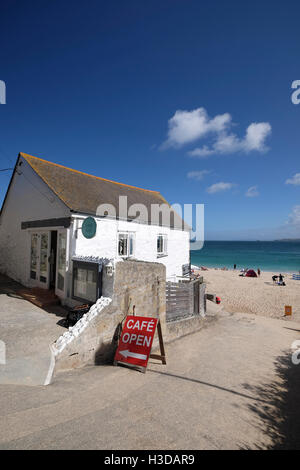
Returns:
(182, 299)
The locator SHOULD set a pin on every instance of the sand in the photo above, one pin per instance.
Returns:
(253, 295)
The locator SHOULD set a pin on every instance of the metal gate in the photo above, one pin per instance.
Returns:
(184, 299)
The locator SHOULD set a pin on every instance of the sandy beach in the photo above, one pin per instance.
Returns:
(253, 295)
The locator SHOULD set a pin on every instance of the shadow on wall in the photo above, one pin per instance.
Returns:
(106, 352)
(8, 286)
(280, 417)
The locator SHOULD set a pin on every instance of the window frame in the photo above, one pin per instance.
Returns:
(91, 266)
(164, 251)
(130, 236)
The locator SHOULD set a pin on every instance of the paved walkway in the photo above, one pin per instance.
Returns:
(229, 386)
(27, 331)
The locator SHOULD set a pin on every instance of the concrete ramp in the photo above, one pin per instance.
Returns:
(32, 371)
(26, 331)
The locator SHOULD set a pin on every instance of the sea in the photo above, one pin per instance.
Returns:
(273, 256)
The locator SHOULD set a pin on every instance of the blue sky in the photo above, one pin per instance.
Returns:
(187, 97)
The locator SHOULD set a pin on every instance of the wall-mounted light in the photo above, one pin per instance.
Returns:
(109, 269)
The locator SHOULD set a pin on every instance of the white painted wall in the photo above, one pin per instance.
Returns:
(105, 243)
(29, 198)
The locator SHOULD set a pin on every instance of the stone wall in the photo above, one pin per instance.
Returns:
(139, 287)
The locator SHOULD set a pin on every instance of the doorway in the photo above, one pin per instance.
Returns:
(39, 259)
(52, 259)
(48, 260)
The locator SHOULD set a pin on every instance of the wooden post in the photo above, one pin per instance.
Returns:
(162, 356)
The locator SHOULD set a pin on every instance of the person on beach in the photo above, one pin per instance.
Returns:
(258, 271)
(234, 266)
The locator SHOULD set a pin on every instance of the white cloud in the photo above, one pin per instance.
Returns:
(187, 126)
(254, 140)
(217, 187)
(256, 135)
(201, 152)
(197, 175)
(294, 217)
(227, 143)
(295, 180)
(252, 192)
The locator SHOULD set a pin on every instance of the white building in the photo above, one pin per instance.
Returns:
(53, 236)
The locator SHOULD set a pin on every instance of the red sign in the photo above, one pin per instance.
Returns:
(136, 341)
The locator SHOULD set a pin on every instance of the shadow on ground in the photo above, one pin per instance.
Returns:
(207, 384)
(10, 288)
(280, 418)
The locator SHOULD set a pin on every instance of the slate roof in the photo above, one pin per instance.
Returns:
(83, 193)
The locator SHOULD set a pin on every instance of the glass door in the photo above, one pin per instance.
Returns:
(34, 255)
(39, 263)
(61, 262)
(44, 262)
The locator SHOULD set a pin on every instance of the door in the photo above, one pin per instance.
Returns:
(196, 296)
(61, 257)
(34, 255)
(52, 259)
(39, 264)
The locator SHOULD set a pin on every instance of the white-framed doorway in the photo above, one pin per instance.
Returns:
(48, 260)
(39, 258)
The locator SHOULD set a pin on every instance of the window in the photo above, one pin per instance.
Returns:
(126, 244)
(86, 281)
(161, 245)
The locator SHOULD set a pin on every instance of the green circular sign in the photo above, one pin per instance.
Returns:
(89, 227)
